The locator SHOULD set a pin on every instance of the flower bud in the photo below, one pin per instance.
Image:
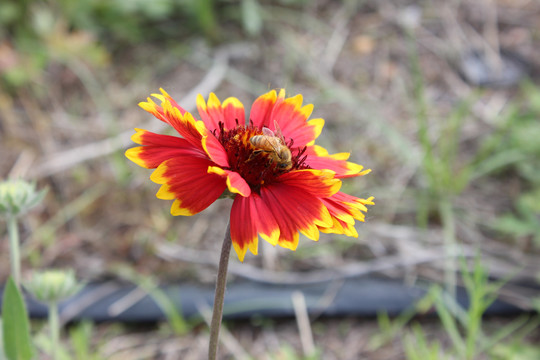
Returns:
(18, 196)
(52, 286)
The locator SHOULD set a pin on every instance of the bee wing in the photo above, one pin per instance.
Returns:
(274, 146)
(266, 131)
(278, 132)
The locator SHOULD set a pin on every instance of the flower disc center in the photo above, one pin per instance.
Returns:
(256, 165)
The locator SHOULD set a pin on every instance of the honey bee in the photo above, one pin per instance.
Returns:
(274, 146)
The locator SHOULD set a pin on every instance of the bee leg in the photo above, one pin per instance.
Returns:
(254, 154)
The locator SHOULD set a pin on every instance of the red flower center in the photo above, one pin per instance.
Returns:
(257, 165)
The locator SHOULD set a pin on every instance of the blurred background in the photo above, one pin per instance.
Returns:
(441, 99)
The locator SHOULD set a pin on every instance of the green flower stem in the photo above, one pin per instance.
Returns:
(13, 231)
(54, 327)
(221, 283)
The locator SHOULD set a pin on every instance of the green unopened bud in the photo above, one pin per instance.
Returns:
(52, 286)
(18, 196)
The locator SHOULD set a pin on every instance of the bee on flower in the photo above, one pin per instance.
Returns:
(274, 146)
(283, 184)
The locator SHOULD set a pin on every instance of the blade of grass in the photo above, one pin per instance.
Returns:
(449, 237)
(512, 329)
(448, 321)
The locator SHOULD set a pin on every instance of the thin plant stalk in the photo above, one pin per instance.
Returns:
(54, 327)
(221, 283)
(421, 107)
(14, 250)
(449, 236)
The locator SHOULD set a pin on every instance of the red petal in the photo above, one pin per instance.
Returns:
(215, 150)
(340, 227)
(235, 182)
(187, 180)
(243, 231)
(186, 125)
(318, 158)
(210, 114)
(145, 137)
(262, 109)
(320, 183)
(290, 116)
(294, 210)
(153, 109)
(344, 209)
(158, 149)
(157, 110)
(230, 113)
(177, 117)
(170, 99)
(233, 112)
(338, 210)
(265, 223)
(249, 216)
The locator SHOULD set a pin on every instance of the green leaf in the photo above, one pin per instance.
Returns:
(2, 357)
(15, 327)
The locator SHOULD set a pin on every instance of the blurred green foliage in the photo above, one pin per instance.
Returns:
(525, 220)
(468, 336)
(514, 149)
(511, 149)
(81, 340)
(34, 34)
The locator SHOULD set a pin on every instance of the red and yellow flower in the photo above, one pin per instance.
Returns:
(215, 155)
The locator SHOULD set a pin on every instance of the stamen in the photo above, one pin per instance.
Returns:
(256, 166)
(299, 160)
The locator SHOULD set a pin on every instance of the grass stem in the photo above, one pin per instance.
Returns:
(449, 236)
